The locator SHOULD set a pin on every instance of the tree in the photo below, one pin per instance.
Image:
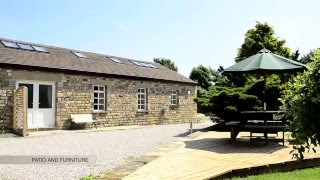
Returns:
(262, 36)
(217, 78)
(227, 102)
(202, 75)
(307, 57)
(167, 63)
(301, 100)
(295, 55)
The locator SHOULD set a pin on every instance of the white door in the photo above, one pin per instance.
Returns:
(41, 103)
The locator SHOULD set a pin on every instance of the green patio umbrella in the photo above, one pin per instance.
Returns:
(264, 63)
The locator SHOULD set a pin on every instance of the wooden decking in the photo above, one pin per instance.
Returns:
(211, 154)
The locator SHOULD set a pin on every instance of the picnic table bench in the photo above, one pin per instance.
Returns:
(257, 122)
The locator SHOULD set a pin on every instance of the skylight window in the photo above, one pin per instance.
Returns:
(10, 44)
(39, 48)
(146, 65)
(25, 46)
(136, 63)
(116, 60)
(152, 66)
(143, 64)
(79, 55)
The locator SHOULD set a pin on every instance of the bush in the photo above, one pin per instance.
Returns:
(302, 101)
(89, 177)
(226, 102)
(273, 92)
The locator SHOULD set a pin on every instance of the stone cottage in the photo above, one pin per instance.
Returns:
(117, 91)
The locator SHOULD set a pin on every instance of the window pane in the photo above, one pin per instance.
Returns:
(141, 99)
(25, 46)
(40, 49)
(99, 97)
(45, 96)
(173, 97)
(30, 94)
(80, 55)
(10, 44)
(114, 59)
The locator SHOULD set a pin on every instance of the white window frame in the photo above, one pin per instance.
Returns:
(174, 97)
(98, 104)
(142, 92)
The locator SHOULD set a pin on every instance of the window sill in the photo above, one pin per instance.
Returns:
(98, 112)
(141, 112)
(173, 107)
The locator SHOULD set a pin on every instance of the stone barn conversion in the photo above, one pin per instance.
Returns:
(116, 91)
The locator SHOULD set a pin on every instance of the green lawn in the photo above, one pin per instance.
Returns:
(305, 174)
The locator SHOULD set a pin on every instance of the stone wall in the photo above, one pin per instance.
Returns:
(20, 111)
(74, 95)
(6, 100)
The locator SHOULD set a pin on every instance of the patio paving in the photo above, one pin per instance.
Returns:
(204, 156)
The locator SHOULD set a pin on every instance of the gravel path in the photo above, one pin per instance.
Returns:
(112, 148)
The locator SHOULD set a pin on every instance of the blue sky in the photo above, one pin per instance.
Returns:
(189, 32)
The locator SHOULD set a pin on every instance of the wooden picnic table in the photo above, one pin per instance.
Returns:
(258, 122)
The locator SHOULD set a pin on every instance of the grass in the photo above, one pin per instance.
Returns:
(89, 177)
(310, 173)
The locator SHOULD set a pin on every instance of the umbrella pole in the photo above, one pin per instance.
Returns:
(264, 93)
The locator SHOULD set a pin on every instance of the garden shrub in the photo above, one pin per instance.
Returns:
(273, 92)
(302, 101)
(226, 102)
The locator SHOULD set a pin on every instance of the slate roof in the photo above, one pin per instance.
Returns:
(63, 59)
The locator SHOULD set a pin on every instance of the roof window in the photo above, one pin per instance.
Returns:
(40, 48)
(25, 46)
(80, 55)
(144, 64)
(10, 44)
(116, 60)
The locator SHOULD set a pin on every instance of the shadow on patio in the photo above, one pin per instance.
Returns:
(224, 146)
(186, 133)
